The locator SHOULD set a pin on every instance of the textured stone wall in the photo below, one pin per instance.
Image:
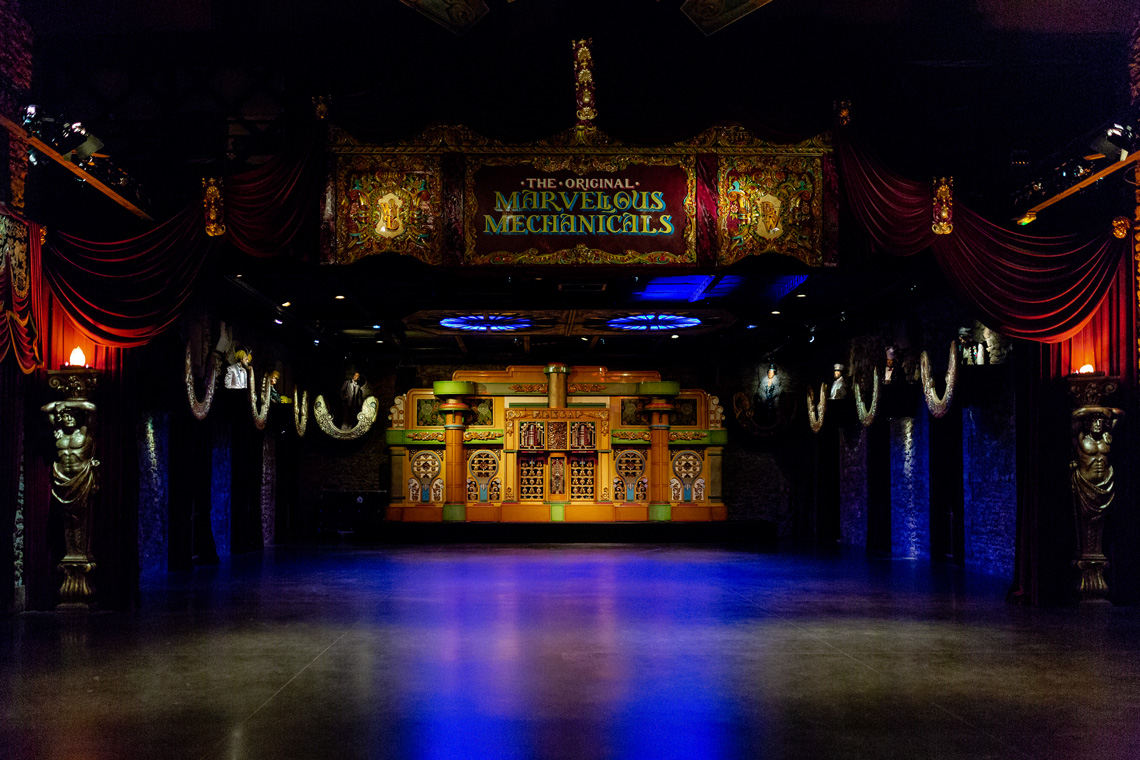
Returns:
(910, 487)
(268, 490)
(154, 503)
(853, 486)
(989, 483)
(758, 486)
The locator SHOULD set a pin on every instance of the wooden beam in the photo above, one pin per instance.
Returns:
(78, 171)
(1032, 213)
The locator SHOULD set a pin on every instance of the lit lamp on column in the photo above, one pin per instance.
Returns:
(73, 475)
(1091, 475)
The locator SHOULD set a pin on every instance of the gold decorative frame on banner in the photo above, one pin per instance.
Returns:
(428, 187)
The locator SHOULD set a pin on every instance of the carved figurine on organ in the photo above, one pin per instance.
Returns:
(554, 444)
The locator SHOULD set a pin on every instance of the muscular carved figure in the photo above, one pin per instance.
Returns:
(73, 473)
(1092, 476)
(1092, 484)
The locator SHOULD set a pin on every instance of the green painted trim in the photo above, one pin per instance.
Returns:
(586, 406)
(527, 406)
(660, 512)
(702, 441)
(558, 513)
(400, 438)
(504, 389)
(659, 388)
(498, 439)
(454, 512)
(453, 388)
(718, 437)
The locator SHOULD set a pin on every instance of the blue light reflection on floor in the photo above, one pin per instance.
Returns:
(515, 651)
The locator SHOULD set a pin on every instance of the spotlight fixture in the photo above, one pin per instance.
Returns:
(286, 304)
(775, 311)
(674, 336)
(277, 321)
(339, 298)
(375, 327)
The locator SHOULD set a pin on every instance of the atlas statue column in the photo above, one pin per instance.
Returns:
(1091, 477)
(74, 481)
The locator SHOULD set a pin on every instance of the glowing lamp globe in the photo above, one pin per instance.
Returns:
(1086, 369)
(77, 359)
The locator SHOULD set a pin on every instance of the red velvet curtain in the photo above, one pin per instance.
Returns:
(273, 209)
(1044, 289)
(19, 269)
(126, 292)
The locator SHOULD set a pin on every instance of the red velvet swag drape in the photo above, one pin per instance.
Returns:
(273, 209)
(1043, 289)
(126, 292)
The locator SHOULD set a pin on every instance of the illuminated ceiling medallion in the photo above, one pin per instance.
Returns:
(486, 323)
(654, 322)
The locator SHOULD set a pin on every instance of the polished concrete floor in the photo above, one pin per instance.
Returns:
(571, 651)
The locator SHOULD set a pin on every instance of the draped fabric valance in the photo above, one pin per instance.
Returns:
(124, 293)
(1039, 288)
(19, 270)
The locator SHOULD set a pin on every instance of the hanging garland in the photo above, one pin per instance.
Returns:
(939, 406)
(301, 412)
(364, 419)
(867, 417)
(201, 408)
(259, 419)
(815, 418)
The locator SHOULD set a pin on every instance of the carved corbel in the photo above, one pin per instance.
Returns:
(866, 417)
(364, 419)
(259, 417)
(815, 414)
(939, 406)
(301, 412)
(201, 408)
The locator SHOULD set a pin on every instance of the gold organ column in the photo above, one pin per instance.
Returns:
(556, 375)
(454, 457)
(660, 469)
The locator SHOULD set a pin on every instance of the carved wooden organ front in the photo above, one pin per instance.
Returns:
(555, 443)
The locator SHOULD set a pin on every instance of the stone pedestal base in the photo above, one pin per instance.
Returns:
(1091, 568)
(77, 592)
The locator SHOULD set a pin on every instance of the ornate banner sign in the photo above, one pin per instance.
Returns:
(770, 203)
(563, 211)
(453, 198)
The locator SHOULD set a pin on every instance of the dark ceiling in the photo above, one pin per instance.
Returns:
(181, 90)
